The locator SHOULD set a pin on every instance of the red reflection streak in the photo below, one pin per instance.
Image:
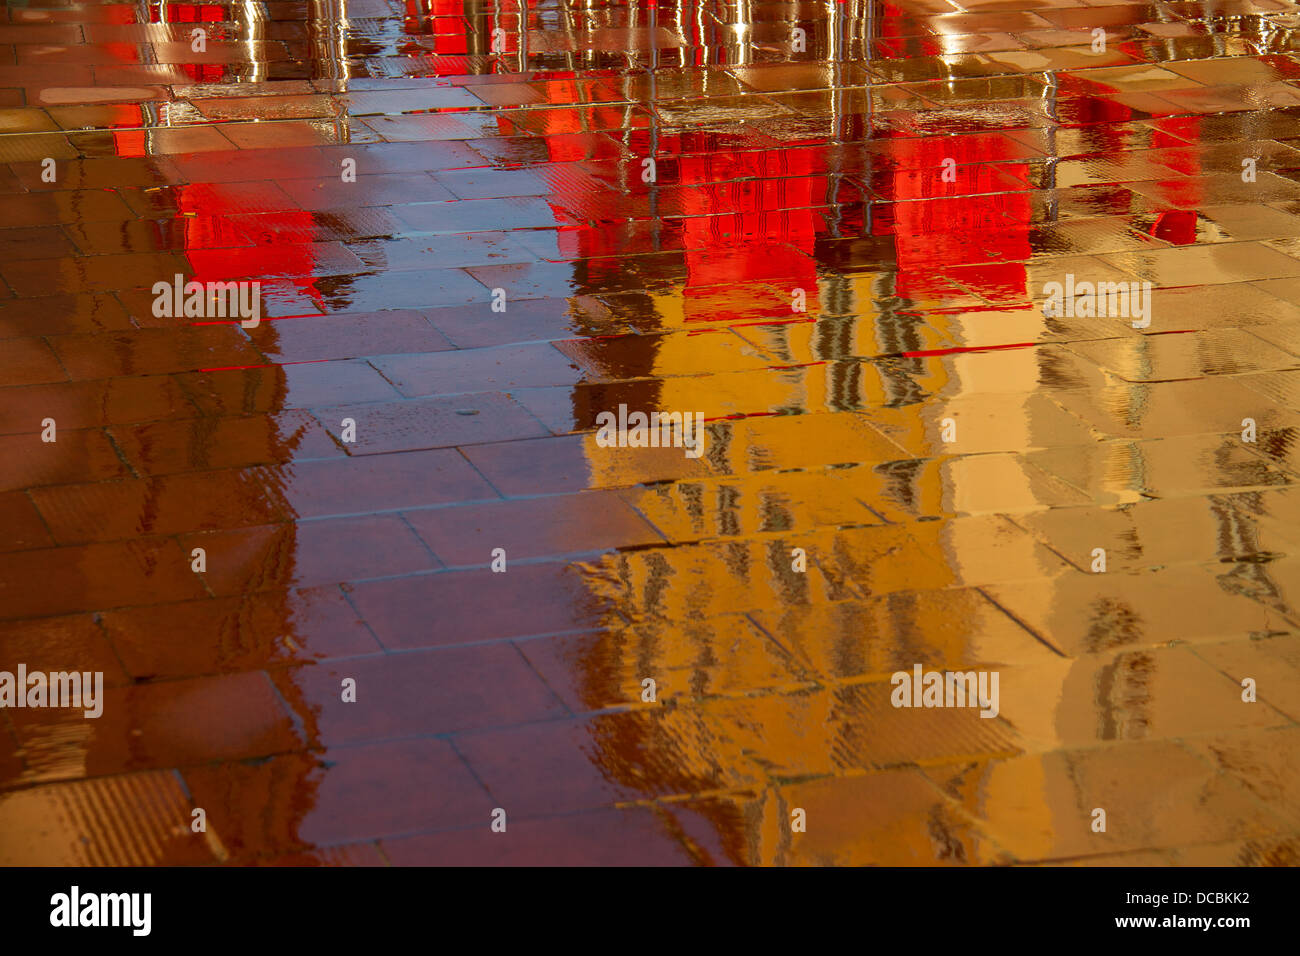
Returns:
(961, 349)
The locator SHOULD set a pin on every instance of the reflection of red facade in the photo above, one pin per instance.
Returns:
(193, 13)
(187, 13)
(774, 207)
(200, 207)
(450, 12)
(736, 213)
(930, 233)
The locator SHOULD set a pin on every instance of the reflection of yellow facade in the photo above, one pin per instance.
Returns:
(691, 597)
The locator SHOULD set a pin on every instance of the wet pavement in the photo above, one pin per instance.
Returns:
(367, 572)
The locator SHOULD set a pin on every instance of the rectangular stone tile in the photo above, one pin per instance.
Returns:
(1272, 662)
(265, 107)
(446, 252)
(37, 242)
(260, 194)
(432, 423)
(414, 289)
(81, 455)
(764, 442)
(21, 527)
(1282, 387)
(1118, 471)
(721, 656)
(1266, 851)
(461, 607)
(356, 793)
(1193, 192)
(219, 263)
(477, 370)
(719, 577)
(882, 819)
(318, 337)
(531, 320)
(531, 528)
(94, 577)
(65, 644)
(324, 551)
(1091, 613)
(968, 485)
(490, 183)
(987, 549)
(238, 633)
(234, 391)
(152, 726)
(73, 205)
(1162, 358)
(194, 234)
(378, 483)
(630, 837)
(416, 694)
(859, 729)
(1151, 534)
(113, 510)
(766, 502)
(1266, 764)
(852, 640)
(383, 189)
(154, 351)
(424, 127)
(686, 353)
(106, 173)
(1283, 333)
(1153, 694)
(138, 819)
(62, 314)
(1213, 405)
(1156, 794)
(572, 765)
(235, 165)
(319, 383)
(478, 215)
(408, 101)
(202, 444)
(1273, 580)
(30, 361)
(1228, 305)
(273, 134)
(570, 463)
(979, 424)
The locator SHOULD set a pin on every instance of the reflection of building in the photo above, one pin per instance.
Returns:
(197, 230)
(777, 228)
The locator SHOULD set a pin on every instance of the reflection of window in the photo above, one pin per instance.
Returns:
(192, 13)
(187, 13)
